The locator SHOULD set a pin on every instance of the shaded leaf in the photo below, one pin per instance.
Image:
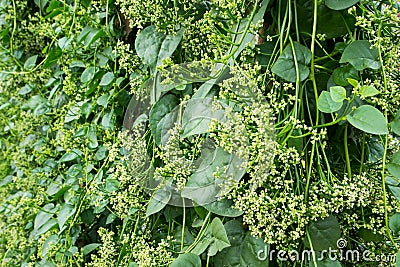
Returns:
(361, 55)
(284, 67)
(324, 233)
(187, 260)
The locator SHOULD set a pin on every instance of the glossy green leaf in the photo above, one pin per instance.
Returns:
(368, 119)
(338, 93)
(326, 103)
(368, 90)
(324, 233)
(284, 67)
(187, 260)
(361, 55)
(340, 4)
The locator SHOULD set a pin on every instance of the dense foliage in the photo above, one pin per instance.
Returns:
(199, 133)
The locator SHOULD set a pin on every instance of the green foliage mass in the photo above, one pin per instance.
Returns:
(198, 133)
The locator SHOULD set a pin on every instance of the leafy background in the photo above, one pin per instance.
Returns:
(300, 142)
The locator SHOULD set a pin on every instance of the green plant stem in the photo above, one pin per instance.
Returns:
(383, 176)
(183, 224)
(346, 151)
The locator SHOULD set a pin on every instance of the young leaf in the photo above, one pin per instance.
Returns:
(284, 67)
(368, 119)
(361, 55)
(338, 93)
(187, 260)
(368, 90)
(326, 103)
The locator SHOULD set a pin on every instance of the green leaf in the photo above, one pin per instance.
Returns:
(107, 79)
(223, 207)
(284, 67)
(368, 90)
(30, 62)
(394, 165)
(199, 114)
(342, 74)
(70, 156)
(92, 137)
(158, 201)
(89, 248)
(152, 46)
(187, 260)
(203, 186)
(66, 212)
(340, 4)
(361, 55)
(41, 3)
(244, 250)
(220, 239)
(368, 119)
(338, 93)
(394, 224)
(43, 216)
(108, 120)
(111, 185)
(324, 233)
(395, 124)
(326, 103)
(88, 74)
(353, 82)
(162, 116)
(169, 45)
